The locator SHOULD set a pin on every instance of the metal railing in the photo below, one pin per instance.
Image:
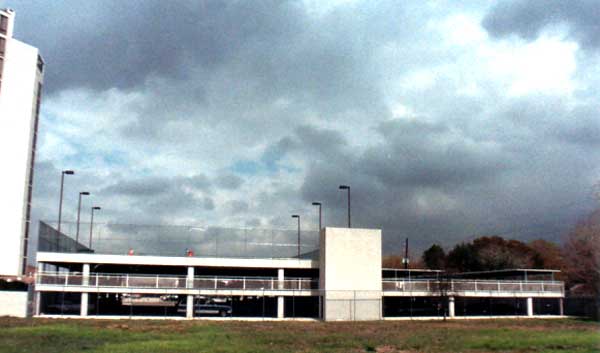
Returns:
(471, 285)
(272, 283)
(75, 279)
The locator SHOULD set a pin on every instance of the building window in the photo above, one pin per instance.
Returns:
(3, 25)
(2, 46)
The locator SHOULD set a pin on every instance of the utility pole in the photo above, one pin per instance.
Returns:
(405, 259)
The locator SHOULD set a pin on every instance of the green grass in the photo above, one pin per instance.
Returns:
(48, 336)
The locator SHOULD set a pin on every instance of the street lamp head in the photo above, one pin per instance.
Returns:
(344, 187)
(84, 193)
(316, 204)
(96, 208)
(68, 172)
(295, 216)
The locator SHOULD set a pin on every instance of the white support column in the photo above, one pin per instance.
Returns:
(38, 295)
(561, 307)
(451, 312)
(85, 281)
(189, 308)
(529, 306)
(280, 299)
(280, 278)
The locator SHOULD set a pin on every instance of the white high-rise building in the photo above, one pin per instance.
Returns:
(21, 74)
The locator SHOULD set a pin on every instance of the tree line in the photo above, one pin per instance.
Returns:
(577, 257)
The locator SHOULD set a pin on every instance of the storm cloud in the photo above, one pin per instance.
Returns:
(447, 120)
(527, 18)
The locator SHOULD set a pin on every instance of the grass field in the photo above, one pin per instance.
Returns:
(49, 335)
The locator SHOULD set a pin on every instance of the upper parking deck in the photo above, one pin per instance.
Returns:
(177, 241)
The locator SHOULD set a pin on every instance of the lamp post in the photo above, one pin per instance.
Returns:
(346, 187)
(82, 193)
(297, 216)
(62, 183)
(95, 208)
(320, 214)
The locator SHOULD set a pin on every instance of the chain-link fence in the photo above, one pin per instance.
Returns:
(169, 240)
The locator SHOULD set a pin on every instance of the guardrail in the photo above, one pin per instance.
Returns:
(77, 279)
(471, 285)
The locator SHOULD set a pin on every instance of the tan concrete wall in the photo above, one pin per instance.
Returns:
(13, 303)
(350, 273)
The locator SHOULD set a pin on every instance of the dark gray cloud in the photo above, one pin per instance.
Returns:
(140, 188)
(229, 181)
(527, 18)
(120, 44)
(158, 199)
(152, 186)
(238, 206)
(441, 182)
(208, 203)
(304, 103)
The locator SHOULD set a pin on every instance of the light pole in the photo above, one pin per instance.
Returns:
(320, 214)
(82, 193)
(297, 216)
(95, 208)
(346, 187)
(62, 183)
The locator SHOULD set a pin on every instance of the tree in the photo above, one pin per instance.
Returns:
(395, 261)
(581, 252)
(434, 258)
(497, 253)
(392, 261)
(547, 255)
(463, 258)
(490, 253)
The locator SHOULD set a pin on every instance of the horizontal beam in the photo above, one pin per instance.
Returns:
(477, 294)
(98, 259)
(179, 291)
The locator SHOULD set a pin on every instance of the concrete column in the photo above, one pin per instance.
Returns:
(38, 295)
(84, 304)
(280, 278)
(85, 281)
(529, 306)
(561, 307)
(280, 307)
(280, 299)
(190, 277)
(189, 308)
(451, 312)
(321, 307)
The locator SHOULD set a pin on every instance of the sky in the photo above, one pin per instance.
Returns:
(448, 119)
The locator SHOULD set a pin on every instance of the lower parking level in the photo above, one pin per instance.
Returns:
(241, 306)
(154, 305)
